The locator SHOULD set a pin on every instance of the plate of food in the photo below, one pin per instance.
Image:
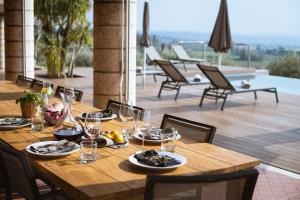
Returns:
(152, 135)
(14, 122)
(53, 148)
(157, 160)
(104, 115)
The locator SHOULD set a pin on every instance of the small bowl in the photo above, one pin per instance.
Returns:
(68, 134)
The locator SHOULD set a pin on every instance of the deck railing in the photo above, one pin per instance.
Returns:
(204, 46)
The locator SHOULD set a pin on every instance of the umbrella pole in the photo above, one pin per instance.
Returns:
(220, 61)
(144, 68)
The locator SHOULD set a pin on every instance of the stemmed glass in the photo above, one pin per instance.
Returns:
(92, 125)
(145, 124)
(71, 93)
(126, 114)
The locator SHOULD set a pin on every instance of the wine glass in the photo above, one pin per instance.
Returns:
(145, 124)
(71, 93)
(92, 125)
(126, 114)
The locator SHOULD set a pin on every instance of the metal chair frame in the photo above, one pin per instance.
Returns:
(211, 132)
(222, 92)
(250, 175)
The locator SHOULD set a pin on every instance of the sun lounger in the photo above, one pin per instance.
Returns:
(221, 87)
(175, 79)
(184, 57)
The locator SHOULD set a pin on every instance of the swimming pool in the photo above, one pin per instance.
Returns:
(283, 84)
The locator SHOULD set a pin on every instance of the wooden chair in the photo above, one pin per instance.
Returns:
(221, 87)
(115, 107)
(233, 186)
(20, 177)
(24, 81)
(190, 129)
(175, 79)
(60, 89)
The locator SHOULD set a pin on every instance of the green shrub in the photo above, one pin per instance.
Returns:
(287, 65)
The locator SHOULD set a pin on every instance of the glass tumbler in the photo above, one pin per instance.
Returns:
(88, 151)
(37, 119)
(168, 142)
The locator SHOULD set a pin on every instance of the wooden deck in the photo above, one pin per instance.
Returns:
(261, 128)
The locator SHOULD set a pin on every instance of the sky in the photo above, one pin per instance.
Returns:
(251, 17)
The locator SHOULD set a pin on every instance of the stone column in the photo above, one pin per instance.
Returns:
(1, 35)
(19, 48)
(2, 58)
(108, 51)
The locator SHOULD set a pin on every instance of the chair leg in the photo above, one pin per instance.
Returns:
(276, 95)
(255, 95)
(160, 90)
(223, 104)
(8, 194)
(185, 68)
(177, 93)
(154, 77)
(202, 98)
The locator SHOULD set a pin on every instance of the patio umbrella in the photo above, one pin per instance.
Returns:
(220, 40)
(145, 39)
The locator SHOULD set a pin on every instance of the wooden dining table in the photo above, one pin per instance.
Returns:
(111, 176)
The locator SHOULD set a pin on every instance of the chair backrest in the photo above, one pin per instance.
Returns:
(115, 107)
(152, 54)
(180, 52)
(216, 77)
(20, 175)
(60, 89)
(171, 71)
(37, 85)
(24, 81)
(190, 129)
(233, 186)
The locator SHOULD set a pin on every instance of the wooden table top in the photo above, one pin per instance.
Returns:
(112, 176)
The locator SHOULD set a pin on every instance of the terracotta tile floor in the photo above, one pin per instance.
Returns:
(274, 186)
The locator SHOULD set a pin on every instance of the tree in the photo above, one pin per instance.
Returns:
(78, 39)
(61, 21)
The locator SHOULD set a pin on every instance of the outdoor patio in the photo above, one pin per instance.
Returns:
(260, 128)
(120, 140)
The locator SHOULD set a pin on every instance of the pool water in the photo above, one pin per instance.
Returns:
(283, 84)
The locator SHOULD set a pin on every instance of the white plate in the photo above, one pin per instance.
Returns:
(178, 157)
(113, 116)
(50, 154)
(136, 135)
(14, 126)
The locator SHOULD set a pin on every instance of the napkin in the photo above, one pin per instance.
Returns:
(57, 147)
(245, 84)
(103, 141)
(11, 121)
(102, 114)
(197, 78)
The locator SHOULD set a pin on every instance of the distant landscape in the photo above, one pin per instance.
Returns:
(266, 51)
